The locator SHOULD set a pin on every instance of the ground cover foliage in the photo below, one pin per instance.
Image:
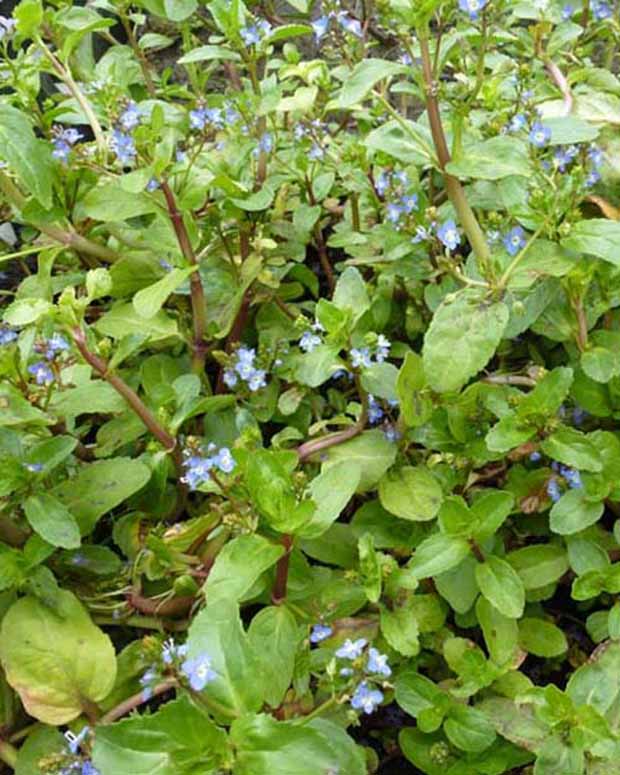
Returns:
(310, 378)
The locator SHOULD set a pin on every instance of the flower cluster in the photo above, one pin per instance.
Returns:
(202, 117)
(342, 18)
(81, 765)
(51, 349)
(63, 141)
(362, 357)
(310, 339)
(372, 664)
(394, 187)
(316, 131)
(198, 467)
(570, 476)
(122, 143)
(320, 632)
(243, 368)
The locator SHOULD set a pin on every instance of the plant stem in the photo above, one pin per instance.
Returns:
(8, 754)
(199, 306)
(319, 710)
(278, 594)
(455, 191)
(65, 75)
(510, 269)
(133, 702)
(140, 55)
(131, 397)
(67, 238)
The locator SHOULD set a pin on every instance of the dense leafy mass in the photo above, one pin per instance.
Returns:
(310, 375)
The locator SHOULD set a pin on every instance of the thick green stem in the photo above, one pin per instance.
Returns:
(8, 754)
(64, 237)
(199, 306)
(65, 75)
(455, 191)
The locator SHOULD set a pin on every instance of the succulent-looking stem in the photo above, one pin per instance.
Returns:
(133, 702)
(278, 594)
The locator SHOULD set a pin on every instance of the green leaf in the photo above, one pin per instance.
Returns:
(411, 493)
(52, 520)
(415, 406)
(408, 142)
(268, 747)
(541, 638)
(461, 339)
(573, 448)
(501, 585)
(573, 513)
(99, 487)
(380, 380)
(97, 397)
(28, 157)
(437, 554)
(400, 629)
(469, 729)
(29, 15)
(351, 293)
(370, 452)
(286, 31)
(597, 682)
(539, 565)
(501, 634)
(596, 237)
(566, 130)
(16, 410)
(239, 686)
(331, 491)
(492, 159)
(271, 488)
(24, 311)
(415, 693)
(209, 53)
(179, 10)
(56, 662)
(179, 739)
(316, 367)
(275, 637)
(238, 566)
(122, 319)
(43, 741)
(150, 300)
(254, 203)
(364, 77)
(110, 202)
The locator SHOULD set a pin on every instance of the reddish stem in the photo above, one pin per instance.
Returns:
(278, 594)
(133, 702)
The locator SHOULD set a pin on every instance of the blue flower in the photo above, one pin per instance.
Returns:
(316, 153)
(410, 202)
(535, 457)
(130, 117)
(265, 143)
(567, 12)
(393, 212)
(198, 118)
(375, 412)
(572, 476)
(517, 123)
(230, 378)
(382, 183)
(422, 234)
(309, 341)
(601, 10)
(472, 7)
(515, 240)
(592, 178)
(360, 357)
(349, 25)
(54, 345)
(250, 35)
(365, 698)
(257, 380)
(7, 336)
(198, 672)
(595, 154)
(383, 348)
(41, 372)
(449, 235)
(320, 632)
(391, 433)
(225, 461)
(564, 156)
(152, 185)
(579, 415)
(539, 135)
(147, 682)
(6, 26)
(63, 140)
(88, 768)
(197, 470)
(34, 468)
(320, 27)
(377, 663)
(553, 489)
(123, 146)
(351, 649)
(74, 741)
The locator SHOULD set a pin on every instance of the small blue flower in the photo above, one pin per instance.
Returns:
(230, 378)
(320, 27)
(74, 741)
(257, 380)
(449, 235)
(63, 141)
(382, 183)
(422, 234)
(225, 461)
(391, 433)
(601, 10)
(383, 348)
(88, 768)
(366, 699)
(130, 117)
(572, 476)
(6, 26)
(123, 146)
(41, 372)
(515, 240)
(592, 178)
(472, 7)
(7, 336)
(535, 457)
(553, 489)
(409, 203)
(567, 12)
(564, 156)
(198, 671)
(517, 123)
(375, 412)
(393, 212)
(377, 663)
(316, 153)
(360, 357)
(309, 341)
(595, 154)
(265, 143)
(540, 135)
(250, 35)
(197, 470)
(579, 415)
(320, 632)
(349, 25)
(152, 185)
(346, 672)
(54, 345)
(351, 649)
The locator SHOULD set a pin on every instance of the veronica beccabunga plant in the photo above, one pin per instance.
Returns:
(309, 387)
